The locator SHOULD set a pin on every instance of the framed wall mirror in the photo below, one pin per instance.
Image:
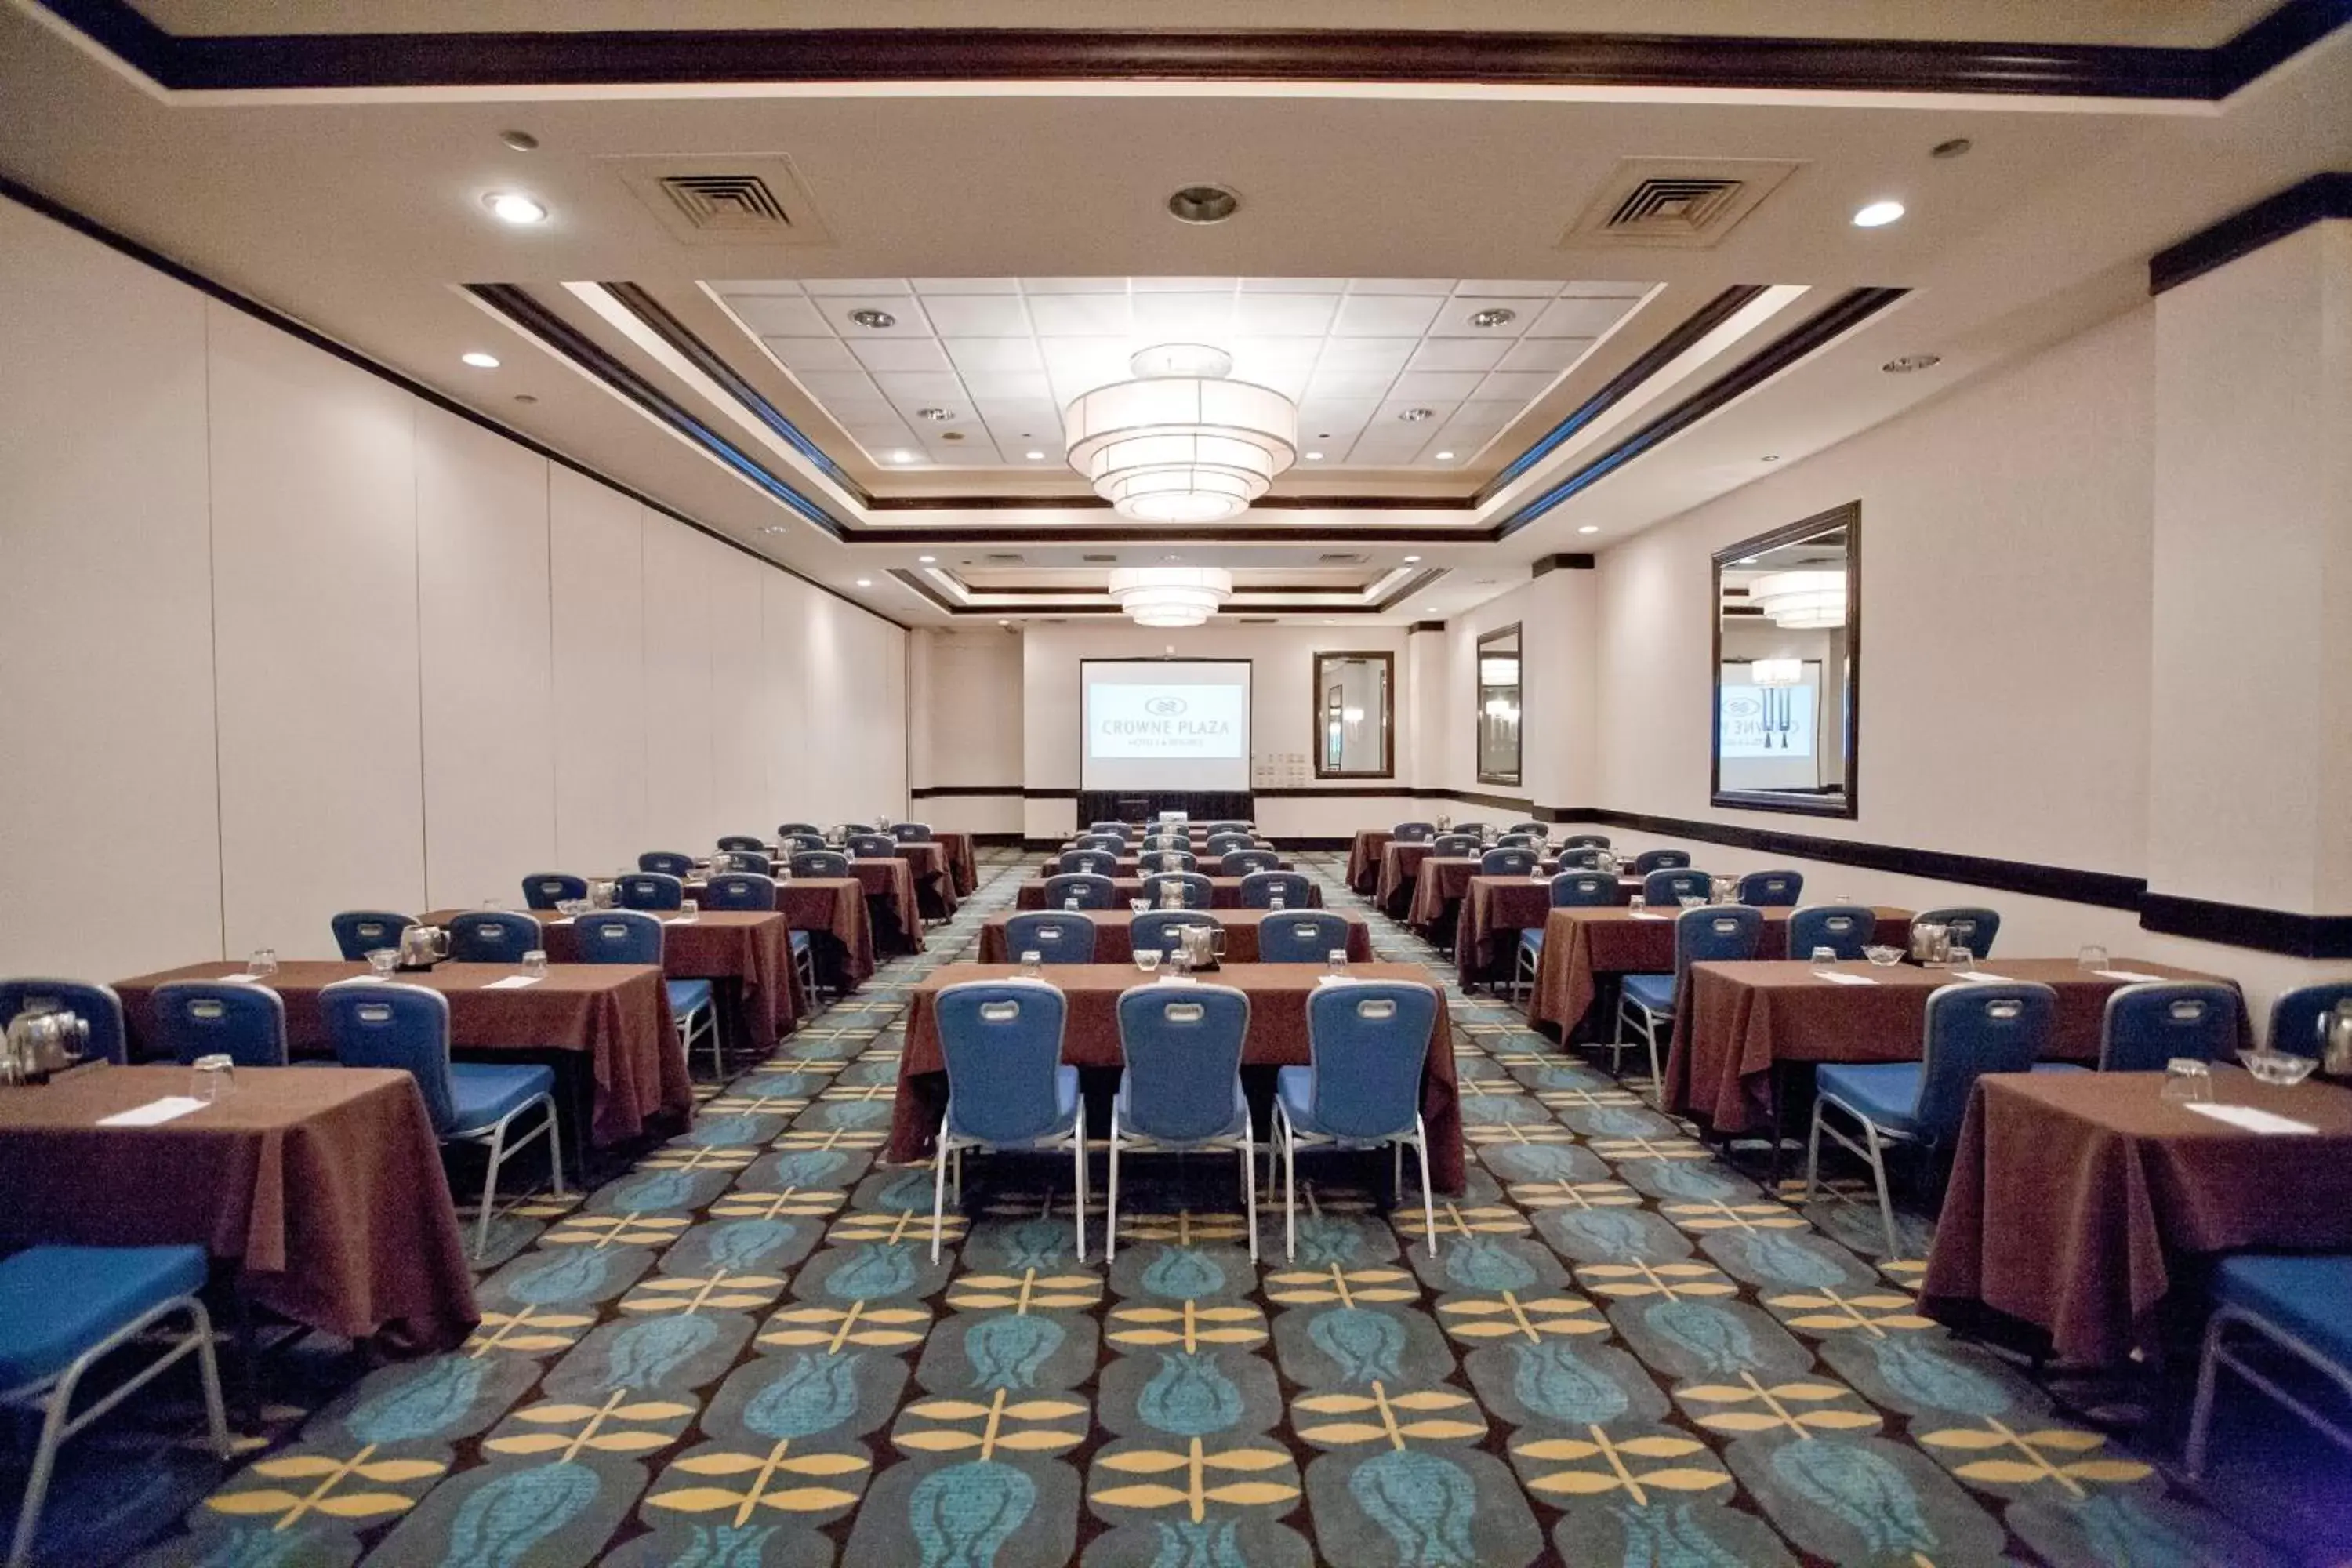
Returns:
(1787, 666)
(1498, 706)
(1355, 721)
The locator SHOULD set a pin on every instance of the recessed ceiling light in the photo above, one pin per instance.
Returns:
(936, 416)
(1878, 214)
(1172, 558)
(1909, 363)
(1957, 147)
(902, 455)
(866, 582)
(951, 434)
(480, 361)
(1035, 457)
(1590, 528)
(926, 560)
(1314, 457)
(772, 528)
(1746, 560)
(1005, 623)
(1445, 456)
(877, 319)
(513, 206)
(1415, 415)
(1429, 609)
(520, 141)
(1769, 457)
(525, 397)
(1413, 559)
(1203, 204)
(1494, 316)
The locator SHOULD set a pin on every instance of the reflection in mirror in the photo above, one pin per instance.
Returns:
(1498, 707)
(1354, 726)
(1787, 645)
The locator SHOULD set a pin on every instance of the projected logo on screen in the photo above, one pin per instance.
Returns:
(1167, 723)
(1166, 707)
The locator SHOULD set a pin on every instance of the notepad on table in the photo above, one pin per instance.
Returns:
(1837, 977)
(153, 1113)
(2251, 1119)
(2126, 975)
(1647, 915)
(512, 982)
(1982, 977)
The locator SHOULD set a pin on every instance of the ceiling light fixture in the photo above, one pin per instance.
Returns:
(1203, 205)
(1909, 363)
(513, 206)
(1005, 623)
(1769, 457)
(925, 560)
(525, 397)
(1494, 316)
(1957, 147)
(1415, 415)
(1590, 528)
(866, 582)
(1314, 457)
(902, 455)
(1171, 596)
(1800, 601)
(772, 528)
(936, 416)
(1413, 559)
(520, 141)
(1035, 457)
(1181, 443)
(1445, 456)
(1877, 215)
(877, 319)
(480, 361)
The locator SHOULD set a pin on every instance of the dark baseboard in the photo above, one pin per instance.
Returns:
(996, 840)
(2241, 925)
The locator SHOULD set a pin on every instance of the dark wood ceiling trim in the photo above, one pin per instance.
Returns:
(1095, 503)
(1575, 563)
(1428, 625)
(1849, 310)
(2268, 221)
(607, 59)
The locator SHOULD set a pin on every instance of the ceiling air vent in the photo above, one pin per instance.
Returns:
(756, 199)
(1255, 621)
(1099, 560)
(1001, 560)
(1340, 557)
(1690, 203)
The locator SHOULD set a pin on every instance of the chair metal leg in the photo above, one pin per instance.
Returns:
(1249, 1189)
(491, 1186)
(1813, 1153)
(208, 1373)
(2200, 1413)
(1110, 1216)
(555, 1153)
(1290, 1187)
(1079, 1159)
(940, 1190)
(45, 1458)
(1428, 1202)
(1878, 1175)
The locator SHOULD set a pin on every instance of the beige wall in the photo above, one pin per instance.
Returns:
(277, 639)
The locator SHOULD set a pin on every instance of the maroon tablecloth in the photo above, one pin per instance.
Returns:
(963, 866)
(834, 908)
(889, 885)
(1364, 858)
(2076, 1197)
(1224, 892)
(617, 1015)
(1132, 865)
(935, 889)
(1400, 868)
(1583, 944)
(1740, 1018)
(1277, 1036)
(1114, 929)
(324, 1188)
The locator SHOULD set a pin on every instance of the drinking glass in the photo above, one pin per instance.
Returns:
(1147, 959)
(1278, 903)
(1336, 960)
(212, 1077)
(2186, 1081)
(2091, 957)
(1071, 903)
(1637, 903)
(1961, 960)
(263, 963)
(383, 960)
(1140, 906)
(1824, 958)
(534, 963)
(1032, 963)
(1691, 902)
(690, 908)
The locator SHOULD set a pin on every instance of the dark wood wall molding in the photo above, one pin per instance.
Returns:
(614, 58)
(1546, 564)
(1429, 626)
(2268, 221)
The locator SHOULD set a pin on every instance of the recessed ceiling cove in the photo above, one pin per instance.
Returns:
(973, 372)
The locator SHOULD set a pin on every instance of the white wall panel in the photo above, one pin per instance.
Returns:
(314, 585)
(740, 710)
(679, 812)
(482, 607)
(793, 757)
(105, 612)
(596, 549)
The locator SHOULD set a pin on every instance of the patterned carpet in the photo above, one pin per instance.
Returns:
(737, 1354)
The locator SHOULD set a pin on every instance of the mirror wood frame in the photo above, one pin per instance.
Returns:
(1848, 803)
(1315, 689)
(1478, 756)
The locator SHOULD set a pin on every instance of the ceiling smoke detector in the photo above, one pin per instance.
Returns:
(937, 415)
(1415, 415)
(1494, 316)
(877, 319)
(1909, 363)
(1203, 205)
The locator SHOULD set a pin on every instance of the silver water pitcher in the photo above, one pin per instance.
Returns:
(2336, 1042)
(422, 947)
(1931, 942)
(1202, 946)
(40, 1044)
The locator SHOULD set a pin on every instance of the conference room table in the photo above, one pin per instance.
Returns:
(833, 911)
(1224, 893)
(1364, 851)
(1132, 865)
(2085, 1207)
(963, 865)
(1114, 934)
(935, 889)
(1277, 1037)
(1582, 945)
(745, 953)
(1447, 882)
(606, 1027)
(1393, 890)
(324, 1190)
(1736, 1021)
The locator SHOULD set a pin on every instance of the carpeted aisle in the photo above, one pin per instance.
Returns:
(739, 1355)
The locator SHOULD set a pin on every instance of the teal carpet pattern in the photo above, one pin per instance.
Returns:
(737, 1354)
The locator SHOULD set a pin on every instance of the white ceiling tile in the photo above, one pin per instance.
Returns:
(1544, 354)
(1435, 386)
(1366, 355)
(978, 315)
(1029, 412)
(990, 356)
(748, 287)
(1183, 318)
(1327, 387)
(1386, 315)
(906, 313)
(1074, 285)
(1184, 285)
(1520, 387)
(812, 354)
(1604, 290)
(852, 286)
(1483, 414)
(1454, 321)
(845, 385)
(1080, 315)
(1457, 353)
(1335, 419)
(1392, 411)
(1577, 318)
(1507, 288)
(781, 316)
(929, 286)
(974, 448)
(1285, 314)
(908, 391)
(880, 354)
(1015, 437)
(1440, 285)
(1294, 285)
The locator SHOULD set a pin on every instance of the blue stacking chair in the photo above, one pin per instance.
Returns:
(650, 891)
(1722, 934)
(546, 890)
(1242, 862)
(96, 1005)
(1650, 861)
(753, 862)
(1507, 861)
(1117, 830)
(1220, 845)
(359, 932)
(744, 841)
(1259, 887)
(1456, 846)
(1844, 929)
(1535, 830)
(1081, 891)
(871, 847)
(2296, 1016)
(2147, 1025)
(1169, 860)
(1412, 832)
(1301, 936)
(1199, 891)
(1111, 842)
(1474, 829)
(851, 829)
(790, 844)
(1519, 841)
(1670, 885)
(756, 890)
(627, 936)
(1180, 1088)
(1157, 929)
(1585, 841)
(1231, 824)
(488, 936)
(666, 861)
(1570, 890)
(911, 832)
(63, 1309)
(1367, 1043)
(2296, 1303)
(1972, 1028)
(407, 1028)
(246, 1022)
(819, 863)
(1772, 889)
(1972, 927)
(1054, 935)
(1095, 862)
(1584, 859)
(1008, 1088)
(787, 829)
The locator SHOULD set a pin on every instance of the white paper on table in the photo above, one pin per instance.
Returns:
(560, 921)
(1647, 915)
(512, 982)
(1177, 980)
(2130, 974)
(1838, 977)
(1983, 977)
(153, 1113)
(2250, 1118)
(680, 920)
(240, 980)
